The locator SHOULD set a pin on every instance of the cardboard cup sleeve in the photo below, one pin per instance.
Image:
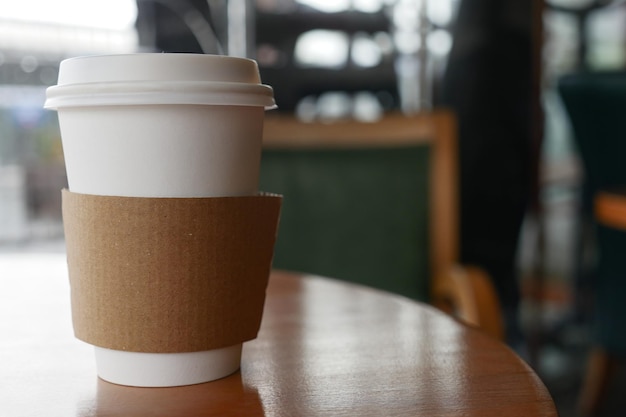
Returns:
(168, 275)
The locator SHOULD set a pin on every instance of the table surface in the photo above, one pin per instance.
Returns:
(325, 348)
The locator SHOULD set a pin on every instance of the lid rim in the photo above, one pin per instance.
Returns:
(55, 104)
(154, 86)
(151, 92)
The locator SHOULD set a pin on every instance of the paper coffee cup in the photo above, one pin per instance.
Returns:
(162, 125)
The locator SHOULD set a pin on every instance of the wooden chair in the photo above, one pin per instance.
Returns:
(376, 203)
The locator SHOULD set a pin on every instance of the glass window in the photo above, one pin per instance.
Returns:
(35, 36)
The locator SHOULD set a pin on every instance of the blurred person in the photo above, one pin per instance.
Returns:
(488, 83)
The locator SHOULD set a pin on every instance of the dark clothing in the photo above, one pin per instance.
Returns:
(488, 84)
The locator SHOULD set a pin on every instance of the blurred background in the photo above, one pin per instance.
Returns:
(494, 62)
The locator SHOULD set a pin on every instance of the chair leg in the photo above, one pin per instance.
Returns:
(601, 368)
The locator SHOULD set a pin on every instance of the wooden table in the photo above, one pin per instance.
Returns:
(325, 348)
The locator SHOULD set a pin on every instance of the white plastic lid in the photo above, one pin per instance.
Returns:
(135, 79)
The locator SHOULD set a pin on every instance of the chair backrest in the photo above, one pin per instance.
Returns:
(596, 103)
(373, 203)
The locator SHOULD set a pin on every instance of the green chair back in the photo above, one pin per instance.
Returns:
(359, 215)
(596, 105)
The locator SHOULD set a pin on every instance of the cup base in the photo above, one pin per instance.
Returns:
(141, 369)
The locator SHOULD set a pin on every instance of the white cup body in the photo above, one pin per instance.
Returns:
(162, 151)
(126, 137)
